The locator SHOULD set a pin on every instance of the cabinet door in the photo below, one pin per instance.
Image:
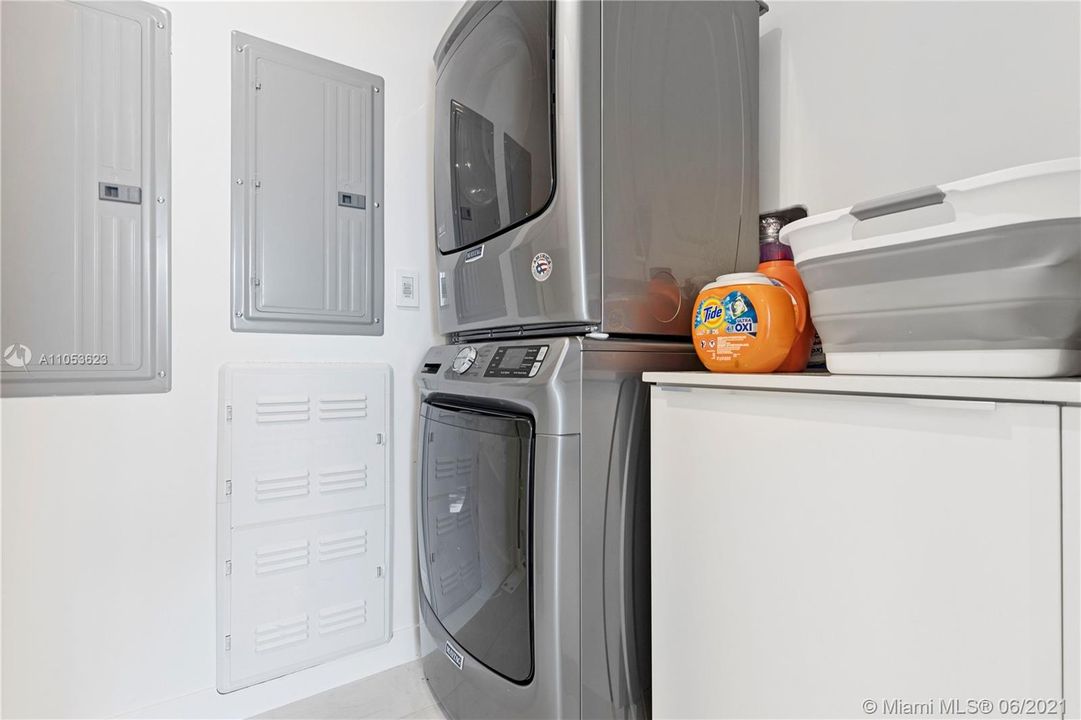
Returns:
(1071, 559)
(813, 553)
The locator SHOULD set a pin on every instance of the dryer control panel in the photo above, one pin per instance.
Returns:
(516, 361)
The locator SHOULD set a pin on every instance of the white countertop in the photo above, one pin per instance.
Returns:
(1064, 391)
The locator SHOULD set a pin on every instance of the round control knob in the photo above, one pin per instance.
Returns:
(465, 359)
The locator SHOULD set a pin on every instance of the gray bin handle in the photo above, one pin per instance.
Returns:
(899, 202)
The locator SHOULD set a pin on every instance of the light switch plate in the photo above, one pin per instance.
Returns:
(407, 288)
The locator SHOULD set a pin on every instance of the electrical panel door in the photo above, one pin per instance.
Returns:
(86, 198)
(307, 193)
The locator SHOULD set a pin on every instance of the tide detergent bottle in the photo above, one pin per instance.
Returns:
(746, 323)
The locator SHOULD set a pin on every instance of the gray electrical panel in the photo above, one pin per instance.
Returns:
(86, 198)
(307, 185)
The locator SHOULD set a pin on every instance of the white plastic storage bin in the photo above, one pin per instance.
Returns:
(980, 277)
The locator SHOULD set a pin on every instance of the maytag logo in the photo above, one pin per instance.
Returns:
(475, 254)
(455, 656)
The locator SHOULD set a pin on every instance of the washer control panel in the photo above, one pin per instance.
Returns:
(516, 361)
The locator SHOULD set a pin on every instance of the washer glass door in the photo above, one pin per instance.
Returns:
(474, 531)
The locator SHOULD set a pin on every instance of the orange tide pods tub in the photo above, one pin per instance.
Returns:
(746, 322)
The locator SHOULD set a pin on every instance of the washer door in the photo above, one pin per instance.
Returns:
(474, 531)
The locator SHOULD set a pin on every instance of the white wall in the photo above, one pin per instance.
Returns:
(863, 99)
(108, 502)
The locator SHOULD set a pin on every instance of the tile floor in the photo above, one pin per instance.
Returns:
(400, 692)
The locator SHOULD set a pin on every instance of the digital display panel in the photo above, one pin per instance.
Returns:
(513, 357)
(516, 361)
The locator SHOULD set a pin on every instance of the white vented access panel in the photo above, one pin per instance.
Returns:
(86, 198)
(303, 516)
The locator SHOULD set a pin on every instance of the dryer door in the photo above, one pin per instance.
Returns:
(474, 531)
(493, 134)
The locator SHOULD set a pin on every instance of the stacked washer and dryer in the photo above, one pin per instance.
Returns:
(595, 166)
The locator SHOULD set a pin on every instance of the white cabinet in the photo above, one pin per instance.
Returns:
(813, 552)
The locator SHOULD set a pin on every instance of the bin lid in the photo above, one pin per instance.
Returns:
(1027, 193)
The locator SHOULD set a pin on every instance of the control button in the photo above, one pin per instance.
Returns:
(535, 370)
(465, 359)
(542, 352)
